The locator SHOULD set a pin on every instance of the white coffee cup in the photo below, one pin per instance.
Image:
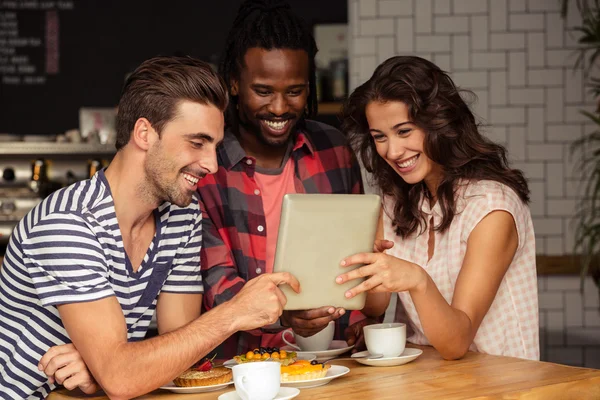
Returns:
(387, 339)
(257, 380)
(317, 342)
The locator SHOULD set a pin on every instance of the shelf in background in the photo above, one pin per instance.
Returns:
(330, 108)
(47, 148)
(559, 265)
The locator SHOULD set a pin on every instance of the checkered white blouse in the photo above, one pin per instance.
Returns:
(511, 326)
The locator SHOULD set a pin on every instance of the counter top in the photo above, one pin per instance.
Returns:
(38, 149)
(476, 376)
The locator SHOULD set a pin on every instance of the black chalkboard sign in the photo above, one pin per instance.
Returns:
(58, 56)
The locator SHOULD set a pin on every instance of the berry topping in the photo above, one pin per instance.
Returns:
(206, 364)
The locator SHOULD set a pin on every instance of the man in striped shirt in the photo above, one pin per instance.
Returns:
(87, 268)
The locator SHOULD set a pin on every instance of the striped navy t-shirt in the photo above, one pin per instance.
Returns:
(69, 249)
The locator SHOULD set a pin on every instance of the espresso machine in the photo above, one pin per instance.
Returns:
(30, 171)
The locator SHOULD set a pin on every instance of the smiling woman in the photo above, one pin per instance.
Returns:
(400, 144)
(460, 252)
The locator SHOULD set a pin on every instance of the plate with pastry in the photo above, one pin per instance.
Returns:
(305, 374)
(204, 377)
(285, 357)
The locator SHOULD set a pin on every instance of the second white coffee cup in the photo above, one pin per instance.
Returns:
(386, 339)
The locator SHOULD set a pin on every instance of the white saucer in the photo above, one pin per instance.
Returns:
(407, 356)
(334, 372)
(284, 394)
(336, 348)
(194, 389)
(299, 356)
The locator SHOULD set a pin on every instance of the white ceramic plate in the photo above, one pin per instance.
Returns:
(194, 389)
(407, 356)
(284, 394)
(334, 372)
(336, 348)
(299, 356)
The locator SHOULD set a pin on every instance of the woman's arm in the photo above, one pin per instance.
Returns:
(490, 251)
(450, 328)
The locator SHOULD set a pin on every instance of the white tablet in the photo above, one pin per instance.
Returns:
(316, 232)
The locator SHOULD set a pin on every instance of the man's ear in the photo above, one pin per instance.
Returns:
(143, 134)
(235, 87)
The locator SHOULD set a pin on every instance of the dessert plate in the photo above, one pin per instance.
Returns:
(334, 372)
(299, 356)
(284, 394)
(194, 389)
(407, 356)
(336, 348)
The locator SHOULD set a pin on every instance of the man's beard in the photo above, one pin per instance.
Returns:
(157, 186)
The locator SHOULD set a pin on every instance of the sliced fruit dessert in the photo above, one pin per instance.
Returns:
(204, 374)
(303, 370)
(267, 354)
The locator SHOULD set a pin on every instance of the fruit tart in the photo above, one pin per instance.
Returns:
(303, 370)
(204, 374)
(267, 354)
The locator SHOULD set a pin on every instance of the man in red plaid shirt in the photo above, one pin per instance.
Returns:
(270, 148)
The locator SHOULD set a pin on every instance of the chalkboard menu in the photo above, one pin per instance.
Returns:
(24, 58)
(59, 56)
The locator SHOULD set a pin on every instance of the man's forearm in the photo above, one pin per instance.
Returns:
(211, 299)
(139, 367)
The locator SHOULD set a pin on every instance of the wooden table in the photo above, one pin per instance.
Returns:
(476, 376)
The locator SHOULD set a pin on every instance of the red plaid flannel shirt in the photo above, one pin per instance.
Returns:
(234, 225)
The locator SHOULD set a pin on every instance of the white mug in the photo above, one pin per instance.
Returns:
(386, 339)
(317, 342)
(257, 380)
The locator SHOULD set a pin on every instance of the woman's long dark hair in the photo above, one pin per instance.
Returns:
(452, 139)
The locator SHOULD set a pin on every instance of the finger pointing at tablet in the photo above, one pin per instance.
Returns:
(260, 302)
(279, 278)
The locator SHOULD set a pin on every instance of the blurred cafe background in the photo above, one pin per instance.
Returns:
(62, 64)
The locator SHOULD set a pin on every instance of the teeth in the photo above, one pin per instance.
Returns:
(191, 179)
(408, 163)
(276, 125)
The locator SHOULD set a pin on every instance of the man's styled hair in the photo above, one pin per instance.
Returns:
(155, 88)
(268, 24)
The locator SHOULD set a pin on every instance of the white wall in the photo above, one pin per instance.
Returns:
(517, 56)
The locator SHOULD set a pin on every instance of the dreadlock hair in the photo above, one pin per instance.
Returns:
(267, 24)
